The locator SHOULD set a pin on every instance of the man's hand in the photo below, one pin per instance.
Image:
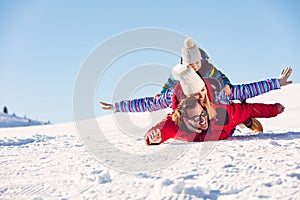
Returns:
(284, 75)
(227, 90)
(152, 137)
(106, 106)
(280, 108)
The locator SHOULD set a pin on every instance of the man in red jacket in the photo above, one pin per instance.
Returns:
(196, 119)
(193, 123)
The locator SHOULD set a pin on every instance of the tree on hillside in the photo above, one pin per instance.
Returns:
(5, 110)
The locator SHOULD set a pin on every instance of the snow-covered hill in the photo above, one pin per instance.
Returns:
(51, 162)
(7, 120)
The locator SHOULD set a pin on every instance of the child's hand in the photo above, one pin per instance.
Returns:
(227, 90)
(284, 75)
(106, 106)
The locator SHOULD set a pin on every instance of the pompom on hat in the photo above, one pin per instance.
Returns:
(190, 52)
(190, 81)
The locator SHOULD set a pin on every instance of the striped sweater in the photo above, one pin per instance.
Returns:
(164, 100)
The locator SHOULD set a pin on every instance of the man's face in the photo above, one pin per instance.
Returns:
(196, 65)
(197, 117)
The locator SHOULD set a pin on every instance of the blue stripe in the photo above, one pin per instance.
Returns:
(235, 92)
(251, 90)
(140, 103)
(272, 84)
(218, 75)
(207, 74)
(125, 106)
(147, 104)
(242, 92)
(248, 93)
(255, 89)
(266, 87)
(277, 83)
(117, 109)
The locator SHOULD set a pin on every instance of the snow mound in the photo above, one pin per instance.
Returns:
(17, 141)
(7, 120)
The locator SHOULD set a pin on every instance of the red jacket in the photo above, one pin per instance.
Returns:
(222, 127)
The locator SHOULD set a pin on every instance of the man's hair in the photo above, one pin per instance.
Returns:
(187, 104)
(181, 111)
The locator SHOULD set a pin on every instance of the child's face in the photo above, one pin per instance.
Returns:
(201, 95)
(196, 65)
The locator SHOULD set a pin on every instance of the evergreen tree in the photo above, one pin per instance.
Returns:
(5, 110)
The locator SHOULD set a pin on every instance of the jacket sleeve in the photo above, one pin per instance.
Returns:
(169, 84)
(209, 70)
(239, 113)
(169, 130)
(246, 91)
(147, 104)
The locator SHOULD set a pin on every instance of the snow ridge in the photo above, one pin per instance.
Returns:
(24, 141)
(7, 120)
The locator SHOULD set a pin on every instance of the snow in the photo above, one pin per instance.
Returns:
(62, 162)
(7, 120)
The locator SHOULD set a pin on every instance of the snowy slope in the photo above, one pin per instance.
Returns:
(51, 162)
(7, 120)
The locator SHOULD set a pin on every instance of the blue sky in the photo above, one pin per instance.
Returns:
(45, 43)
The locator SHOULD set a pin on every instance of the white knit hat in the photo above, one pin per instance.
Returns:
(190, 52)
(190, 81)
